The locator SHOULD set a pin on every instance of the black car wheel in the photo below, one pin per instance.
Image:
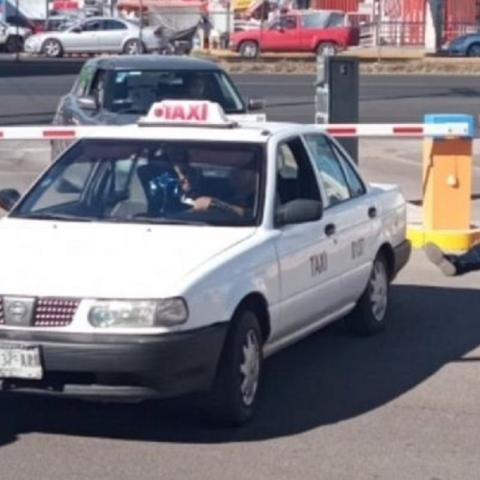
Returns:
(325, 49)
(52, 48)
(474, 50)
(249, 49)
(370, 314)
(133, 47)
(14, 44)
(234, 395)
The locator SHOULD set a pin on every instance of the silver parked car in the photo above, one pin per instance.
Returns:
(96, 35)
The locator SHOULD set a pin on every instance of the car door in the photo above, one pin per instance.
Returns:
(352, 212)
(307, 272)
(112, 35)
(88, 38)
(282, 36)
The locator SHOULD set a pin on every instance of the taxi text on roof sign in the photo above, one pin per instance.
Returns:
(186, 112)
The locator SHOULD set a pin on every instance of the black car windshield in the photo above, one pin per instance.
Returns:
(149, 181)
(134, 91)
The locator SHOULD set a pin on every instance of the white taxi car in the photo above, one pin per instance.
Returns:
(172, 256)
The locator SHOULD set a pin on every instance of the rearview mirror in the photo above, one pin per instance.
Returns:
(88, 103)
(299, 211)
(8, 198)
(255, 104)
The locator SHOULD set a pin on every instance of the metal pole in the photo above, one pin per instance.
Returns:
(141, 23)
(378, 12)
(17, 15)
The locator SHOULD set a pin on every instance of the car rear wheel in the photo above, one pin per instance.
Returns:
(249, 49)
(52, 48)
(326, 49)
(474, 50)
(234, 395)
(133, 47)
(14, 44)
(370, 314)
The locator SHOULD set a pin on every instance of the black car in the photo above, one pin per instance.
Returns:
(117, 90)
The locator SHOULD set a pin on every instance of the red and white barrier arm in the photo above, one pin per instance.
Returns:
(336, 130)
(396, 130)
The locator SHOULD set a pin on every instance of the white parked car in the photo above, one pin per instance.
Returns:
(95, 35)
(12, 38)
(172, 256)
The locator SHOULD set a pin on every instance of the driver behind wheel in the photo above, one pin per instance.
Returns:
(242, 186)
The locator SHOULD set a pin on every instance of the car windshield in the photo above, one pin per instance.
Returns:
(143, 181)
(134, 91)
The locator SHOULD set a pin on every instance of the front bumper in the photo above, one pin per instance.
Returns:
(131, 367)
(401, 255)
(31, 48)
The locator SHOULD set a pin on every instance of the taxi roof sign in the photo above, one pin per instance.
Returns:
(198, 113)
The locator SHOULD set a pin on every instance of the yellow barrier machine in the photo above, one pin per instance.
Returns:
(447, 189)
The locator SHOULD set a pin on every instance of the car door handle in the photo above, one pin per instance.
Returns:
(372, 212)
(330, 229)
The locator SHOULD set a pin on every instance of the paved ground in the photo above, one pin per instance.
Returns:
(290, 97)
(403, 405)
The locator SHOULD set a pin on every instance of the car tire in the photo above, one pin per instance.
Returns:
(52, 48)
(233, 397)
(474, 50)
(326, 49)
(370, 314)
(133, 47)
(249, 49)
(14, 44)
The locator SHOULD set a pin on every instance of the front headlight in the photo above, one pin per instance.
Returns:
(138, 313)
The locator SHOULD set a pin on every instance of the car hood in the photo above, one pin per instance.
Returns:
(70, 259)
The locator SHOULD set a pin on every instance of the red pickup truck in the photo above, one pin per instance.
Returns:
(321, 32)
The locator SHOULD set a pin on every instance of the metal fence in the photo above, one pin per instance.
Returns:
(399, 34)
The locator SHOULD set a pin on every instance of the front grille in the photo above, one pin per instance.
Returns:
(54, 312)
(2, 316)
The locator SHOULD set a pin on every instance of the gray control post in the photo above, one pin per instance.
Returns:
(337, 95)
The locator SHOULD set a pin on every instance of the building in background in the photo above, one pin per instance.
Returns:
(409, 22)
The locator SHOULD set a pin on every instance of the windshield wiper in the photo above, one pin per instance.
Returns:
(55, 216)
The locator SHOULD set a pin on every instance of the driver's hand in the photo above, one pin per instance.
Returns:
(202, 203)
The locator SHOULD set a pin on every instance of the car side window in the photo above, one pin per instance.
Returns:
(295, 176)
(113, 25)
(92, 25)
(357, 187)
(288, 23)
(97, 89)
(84, 81)
(330, 169)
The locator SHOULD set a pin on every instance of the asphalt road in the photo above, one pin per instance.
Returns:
(289, 97)
(402, 405)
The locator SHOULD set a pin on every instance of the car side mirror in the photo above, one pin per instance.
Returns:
(299, 211)
(255, 104)
(8, 198)
(88, 103)
(76, 30)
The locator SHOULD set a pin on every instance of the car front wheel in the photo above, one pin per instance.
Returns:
(234, 395)
(370, 314)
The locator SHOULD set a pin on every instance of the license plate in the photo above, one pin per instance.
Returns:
(20, 361)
